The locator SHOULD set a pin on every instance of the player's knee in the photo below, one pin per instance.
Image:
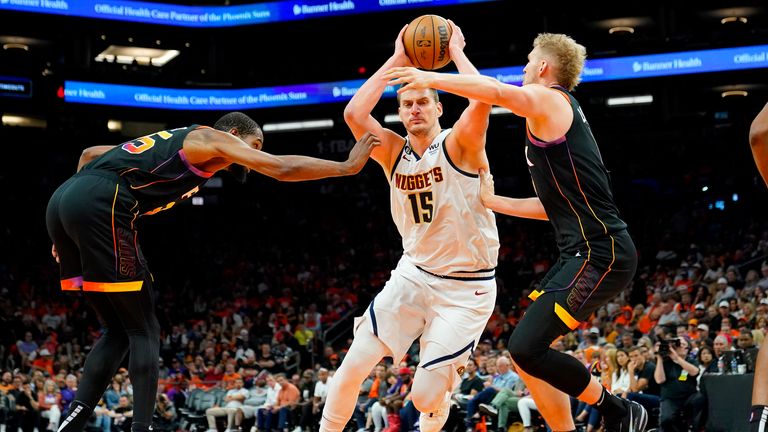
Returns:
(425, 399)
(522, 351)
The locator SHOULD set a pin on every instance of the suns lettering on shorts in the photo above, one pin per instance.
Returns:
(410, 182)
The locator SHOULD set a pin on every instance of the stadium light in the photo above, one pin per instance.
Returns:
(629, 100)
(298, 125)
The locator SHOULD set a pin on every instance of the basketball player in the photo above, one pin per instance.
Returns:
(597, 256)
(92, 218)
(444, 287)
(758, 419)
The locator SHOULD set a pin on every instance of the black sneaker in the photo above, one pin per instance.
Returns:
(634, 421)
(488, 409)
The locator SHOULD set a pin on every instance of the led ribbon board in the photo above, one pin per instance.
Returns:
(689, 62)
(217, 16)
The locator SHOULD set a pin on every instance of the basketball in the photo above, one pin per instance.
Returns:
(426, 42)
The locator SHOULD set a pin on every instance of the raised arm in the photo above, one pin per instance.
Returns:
(758, 141)
(527, 208)
(357, 113)
(287, 168)
(92, 153)
(470, 129)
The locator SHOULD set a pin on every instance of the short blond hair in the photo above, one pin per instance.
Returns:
(568, 55)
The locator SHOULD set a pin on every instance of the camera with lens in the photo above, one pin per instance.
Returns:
(665, 344)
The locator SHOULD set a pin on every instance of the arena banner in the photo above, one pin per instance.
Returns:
(217, 16)
(618, 68)
(15, 86)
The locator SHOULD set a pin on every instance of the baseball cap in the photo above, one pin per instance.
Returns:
(703, 326)
(594, 330)
(764, 301)
(700, 306)
(404, 371)
(693, 321)
(723, 303)
(722, 280)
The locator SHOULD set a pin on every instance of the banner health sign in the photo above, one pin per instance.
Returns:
(717, 60)
(217, 16)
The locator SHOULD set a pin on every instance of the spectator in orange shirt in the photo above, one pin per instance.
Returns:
(230, 376)
(287, 399)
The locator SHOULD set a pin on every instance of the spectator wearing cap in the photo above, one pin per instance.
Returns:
(723, 291)
(700, 313)
(702, 332)
(724, 313)
(504, 378)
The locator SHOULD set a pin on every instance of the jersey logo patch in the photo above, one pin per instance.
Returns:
(530, 164)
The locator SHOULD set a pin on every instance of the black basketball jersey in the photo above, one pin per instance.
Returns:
(155, 169)
(573, 185)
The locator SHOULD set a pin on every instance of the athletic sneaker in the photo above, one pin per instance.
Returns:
(633, 421)
(488, 409)
(435, 421)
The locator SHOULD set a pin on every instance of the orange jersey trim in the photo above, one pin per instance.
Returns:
(566, 317)
(72, 284)
(113, 286)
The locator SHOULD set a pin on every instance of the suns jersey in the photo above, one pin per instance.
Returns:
(438, 212)
(573, 184)
(155, 169)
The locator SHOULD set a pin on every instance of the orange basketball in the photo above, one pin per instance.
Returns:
(426, 42)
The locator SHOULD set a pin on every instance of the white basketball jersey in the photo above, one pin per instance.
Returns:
(437, 209)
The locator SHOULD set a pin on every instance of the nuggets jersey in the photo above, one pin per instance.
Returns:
(155, 169)
(446, 230)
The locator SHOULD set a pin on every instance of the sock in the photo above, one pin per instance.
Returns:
(758, 418)
(610, 406)
(77, 417)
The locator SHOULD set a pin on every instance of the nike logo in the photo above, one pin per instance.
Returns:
(478, 293)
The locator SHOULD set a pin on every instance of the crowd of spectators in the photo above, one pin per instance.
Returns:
(268, 312)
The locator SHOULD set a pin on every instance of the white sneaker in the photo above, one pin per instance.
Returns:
(435, 421)
(297, 429)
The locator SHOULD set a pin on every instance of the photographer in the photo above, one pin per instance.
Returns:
(680, 400)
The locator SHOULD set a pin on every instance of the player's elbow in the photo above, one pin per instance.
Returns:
(758, 135)
(353, 116)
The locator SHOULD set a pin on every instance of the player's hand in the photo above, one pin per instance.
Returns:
(54, 253)
(410, 77)
(361, 152)
(400, 49)
(457, 42)
(487, 190)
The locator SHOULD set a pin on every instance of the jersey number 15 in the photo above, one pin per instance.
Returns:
(421, 204)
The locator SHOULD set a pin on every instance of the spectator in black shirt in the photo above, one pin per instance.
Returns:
(680, 400)
(643, 388)
(26, 407)
(724, 312)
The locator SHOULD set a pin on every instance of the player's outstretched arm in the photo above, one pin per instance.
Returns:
(92, 153)
(289, 168)
(528, 208)
(530, 101)
(758, 141)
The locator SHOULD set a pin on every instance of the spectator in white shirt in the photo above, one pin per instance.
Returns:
(233, 403)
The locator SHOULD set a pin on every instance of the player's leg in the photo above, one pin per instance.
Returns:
(393, 320)
(67, 225)
(118, 285)
(575, 292)
(553, 404)
(456, 318)
(759, 414)
(366, 351)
